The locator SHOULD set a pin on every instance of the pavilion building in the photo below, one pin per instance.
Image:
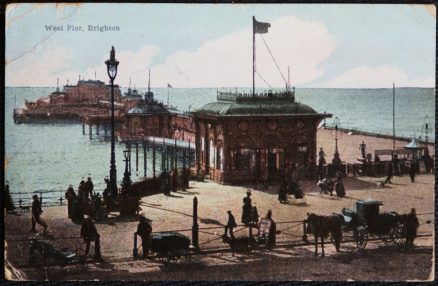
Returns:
(245, 138)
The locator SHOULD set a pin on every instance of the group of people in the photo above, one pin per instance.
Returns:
(85, 202)
(289, 186)
(327, 185)
(172, 181)
(250, 218)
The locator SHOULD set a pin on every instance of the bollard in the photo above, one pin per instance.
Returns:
(195, 227)
(19, 202)
(304, 231)
(135, 250)
(61, 199)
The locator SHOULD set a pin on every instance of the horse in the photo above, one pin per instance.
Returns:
(322, 226)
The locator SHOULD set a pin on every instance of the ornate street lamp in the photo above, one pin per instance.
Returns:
(127, 175)
(111, 66)
(336, 159)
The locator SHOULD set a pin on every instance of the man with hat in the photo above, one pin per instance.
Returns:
(89, 233)
(36, 213)
(230, 225)
(144, 230)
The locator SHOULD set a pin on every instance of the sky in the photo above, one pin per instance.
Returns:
(210, 45)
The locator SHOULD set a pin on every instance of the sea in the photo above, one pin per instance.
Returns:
(47, 158)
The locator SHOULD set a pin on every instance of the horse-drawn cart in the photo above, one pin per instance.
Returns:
(366, 220)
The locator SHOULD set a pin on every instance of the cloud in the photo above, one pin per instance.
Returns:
(36, 71)
(377, 77)
(227, 61)
(221, 62)
(43, 70)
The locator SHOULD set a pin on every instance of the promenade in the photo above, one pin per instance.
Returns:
(378, 261)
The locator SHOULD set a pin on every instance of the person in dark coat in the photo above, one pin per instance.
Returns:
(339, 185)
(231, 224)
(70, 195)
(412, 225)
(175, 180)
(77, 210)
(321, 163)
(362, 148)
(88, 187)
(272, 231)
(9, 204)
(144, 230)
(413, 171)
(81, 190)
(282, 192)
(390, 174)
(89, 234)
(247, 208)
(36, 214)
(164, 182)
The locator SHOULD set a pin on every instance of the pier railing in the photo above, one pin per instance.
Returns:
(258, 97)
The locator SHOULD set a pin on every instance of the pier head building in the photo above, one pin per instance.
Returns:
(245, 138)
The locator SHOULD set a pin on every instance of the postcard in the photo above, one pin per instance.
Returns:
(249, 142)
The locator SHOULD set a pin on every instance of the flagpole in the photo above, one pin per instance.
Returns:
(253, 56)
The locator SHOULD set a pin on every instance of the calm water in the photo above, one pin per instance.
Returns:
(52, 156)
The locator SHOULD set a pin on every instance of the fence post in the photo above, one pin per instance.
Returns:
(195, 227)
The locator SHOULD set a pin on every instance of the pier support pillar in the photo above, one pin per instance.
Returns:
(163, 158)
(136, 157)
(83, 128)
(129, 149)
(90, 131)
(97, 129)
(154, 149)
(104, 129)
(145, 160)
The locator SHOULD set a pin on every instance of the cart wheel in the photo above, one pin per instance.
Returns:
(398, 234)
(361, 236)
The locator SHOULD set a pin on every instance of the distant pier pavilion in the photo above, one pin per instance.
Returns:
(245, 137)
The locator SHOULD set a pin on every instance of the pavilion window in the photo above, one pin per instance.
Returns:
(219, 161)
(212, 150)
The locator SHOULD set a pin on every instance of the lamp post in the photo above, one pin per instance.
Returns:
(336, 159)
(127, 175)
(111, 66)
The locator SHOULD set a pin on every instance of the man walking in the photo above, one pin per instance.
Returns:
(231, 224)
(390, 174)
(36, 214)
